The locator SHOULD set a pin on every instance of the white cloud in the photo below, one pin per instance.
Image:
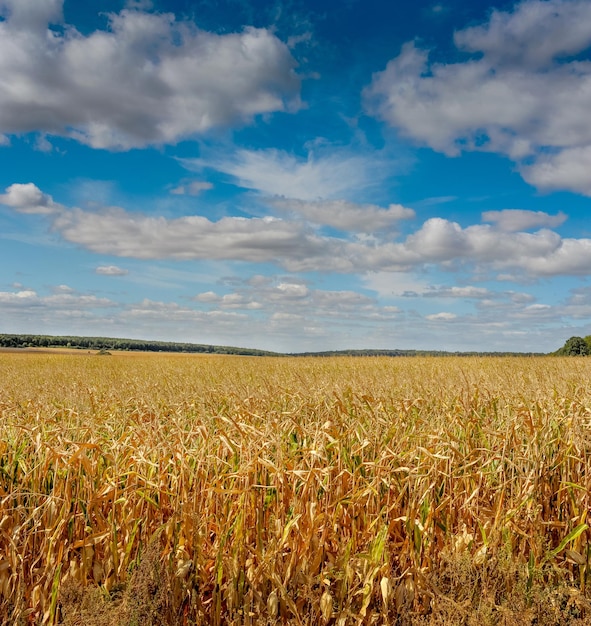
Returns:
(468, 292)
(343, 215)
(290, 318)
(207, 296)
(567, 169)
(408, 286)
(28, 198)
(63, 289)
(31, 15)
(42, 144)
(519, 297)
(297, 247)
(538, 307)
(290, 291)
(61, 300)
(173, 312)
(513, 220)
(329, 175)
(543, 253)
(227, 301)
(76, 301)
(18, 297)
(115, 231)
(148, 79)
(389, 284)
(290, 299)
(26, 311)
(257, 240)
(571, 257)
(523, 97)
(444, 316)
(578, 305)
(533, 35)
(440, 240)
(193, 188)
(284, 313)
(110, 270)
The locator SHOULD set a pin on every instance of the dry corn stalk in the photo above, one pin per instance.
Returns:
(286, 488)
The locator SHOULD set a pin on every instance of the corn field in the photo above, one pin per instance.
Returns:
(182, 489)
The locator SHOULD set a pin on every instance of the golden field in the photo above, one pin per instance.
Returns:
(144, 489)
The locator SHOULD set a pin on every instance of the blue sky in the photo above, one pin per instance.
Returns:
(297, 175)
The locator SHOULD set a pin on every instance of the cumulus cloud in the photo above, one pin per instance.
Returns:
(148, 79)
(513, 220)
(442, 240)
(571, 257)
(288, 314)
(537, 309)
(524, 96)
(173, 312)
(291, 291)
(282, 298)
(115, 231)
(533, 35)
(207, 296)
(483, 298)
(18, 297)
(110, 270)
(63, 289)
(228, 300)
(258, 240)
(297, 246)
(567, 169)
(28, 198)
(413, 286)
(31, 15)
(543, 253)
(343, 215)
(393, 284)
(193, 188)
(74, 313)
(59, 301)
(578, 304)
(467, 292)
(444, 316)
(75, 301)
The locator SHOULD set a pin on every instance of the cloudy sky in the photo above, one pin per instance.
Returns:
(297, 174)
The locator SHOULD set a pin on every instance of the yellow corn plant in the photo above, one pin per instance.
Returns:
(184, 489)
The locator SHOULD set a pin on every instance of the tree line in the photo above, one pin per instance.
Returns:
(109, 343)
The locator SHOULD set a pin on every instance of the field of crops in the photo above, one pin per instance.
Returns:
(180, 489)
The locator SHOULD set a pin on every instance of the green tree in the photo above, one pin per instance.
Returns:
(575, 346)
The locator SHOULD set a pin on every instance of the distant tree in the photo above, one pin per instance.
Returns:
(575, 346)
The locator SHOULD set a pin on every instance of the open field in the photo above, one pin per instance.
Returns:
(182, 489)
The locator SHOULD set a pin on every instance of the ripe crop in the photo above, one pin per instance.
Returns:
(184, 489)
